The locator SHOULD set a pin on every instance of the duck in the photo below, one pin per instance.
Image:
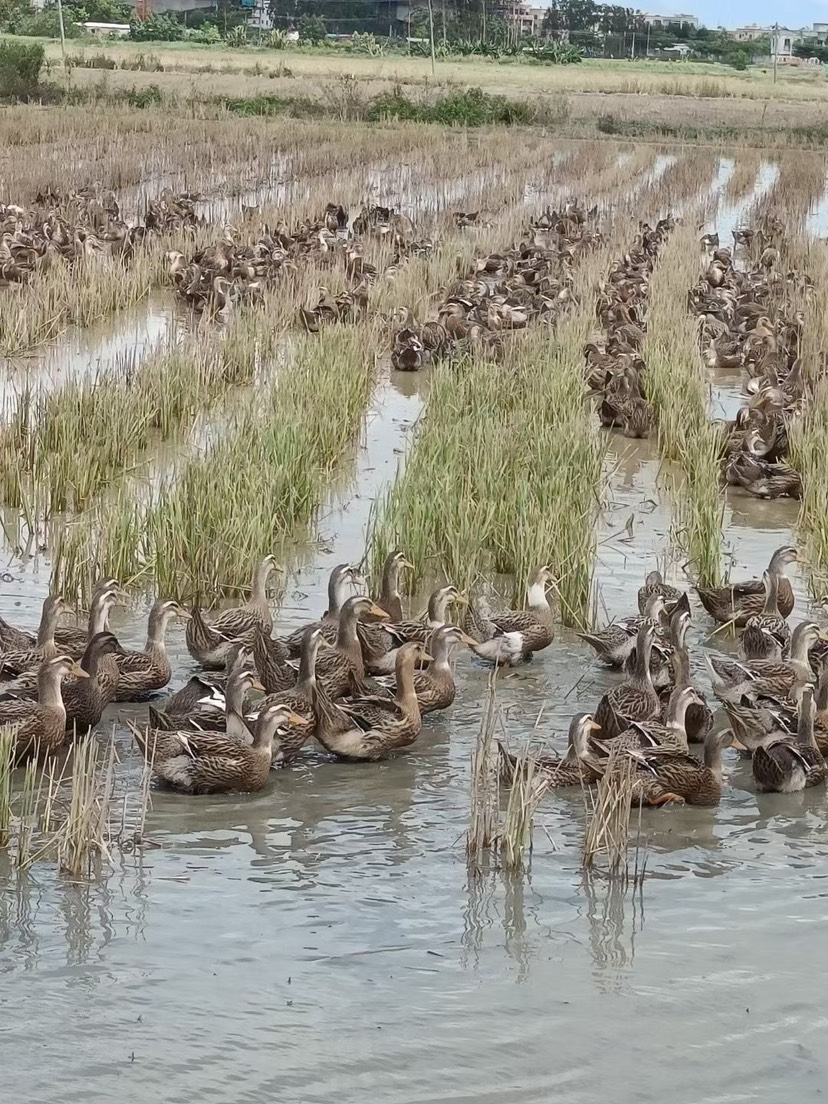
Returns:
(72, 641)
(85, 698)
(634, 699)
(162, 738)
(299, 698)
(209, 642)
(341, 669)
(578, 767)
(199, 701)
(654, 584)
(732, 679)
(367, 729)
(207, 694)
(341, 578)
(615, 643)
(670, 733)
(140, 673)
(736, 603)
(513, 635)
(435, 686)
(784, 766)
(679, 778)
(535, 623)
(211, 763)
(39, 728)
(273, 662)
(766, 632)
(389, 596)
(698, 719)
(16, 662)
(381, 643)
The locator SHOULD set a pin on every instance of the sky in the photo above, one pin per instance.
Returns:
(736, 13)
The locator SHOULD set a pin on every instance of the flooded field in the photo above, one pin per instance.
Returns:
(323, 937)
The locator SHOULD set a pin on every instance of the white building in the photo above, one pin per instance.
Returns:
(657, 20)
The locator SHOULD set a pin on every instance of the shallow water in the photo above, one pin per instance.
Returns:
(322, 940)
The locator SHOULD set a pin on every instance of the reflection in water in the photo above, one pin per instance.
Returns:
(609, 902)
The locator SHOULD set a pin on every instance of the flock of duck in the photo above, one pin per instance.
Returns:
(230, 271)
(359, 681)
(88, 222)
(531, 282)
(615, 370)
(750, 323)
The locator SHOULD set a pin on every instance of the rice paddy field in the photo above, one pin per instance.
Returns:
(506, 350)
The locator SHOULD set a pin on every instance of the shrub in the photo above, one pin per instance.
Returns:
(157, 28)
(20, 65)
(208, 33)
(311, 28)
(237, 36)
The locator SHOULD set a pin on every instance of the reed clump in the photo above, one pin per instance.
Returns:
(677, 387)
(607, 830)
(66, 816)
(494, 832)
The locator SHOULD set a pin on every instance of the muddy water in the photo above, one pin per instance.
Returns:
(321, 940)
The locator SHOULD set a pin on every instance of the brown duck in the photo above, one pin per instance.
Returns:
(210, 641)
(216, 764)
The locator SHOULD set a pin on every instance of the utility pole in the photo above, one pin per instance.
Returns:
(775, 49)
(431, 35)
(62, 38)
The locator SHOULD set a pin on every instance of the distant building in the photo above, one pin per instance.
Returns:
(680, 18)
(750, 33)
(526, 20)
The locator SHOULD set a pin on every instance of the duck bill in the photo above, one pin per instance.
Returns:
(379, 612)
(295, 719)
(78, 671)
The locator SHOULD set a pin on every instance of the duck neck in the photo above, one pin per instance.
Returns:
(157, 633)
(307, 665)
(48, 689)
(440, 650)
(347, 640)
(336, 593)
(263, 736)
(234, 694)
(677, 712)
(406, 695)
(90, 661)
(258, 594)
(681, 667)
(771, 606)
(536, 597)
(805, 724)
(799, 652)
(713, 759)
(46, 629)
(437, 606)
(641, 670)
(99, 616)
(390, 586)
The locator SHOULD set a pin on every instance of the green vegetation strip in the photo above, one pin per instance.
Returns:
(264, 472)
(506, 470)
(677, 386)
(808, 435)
